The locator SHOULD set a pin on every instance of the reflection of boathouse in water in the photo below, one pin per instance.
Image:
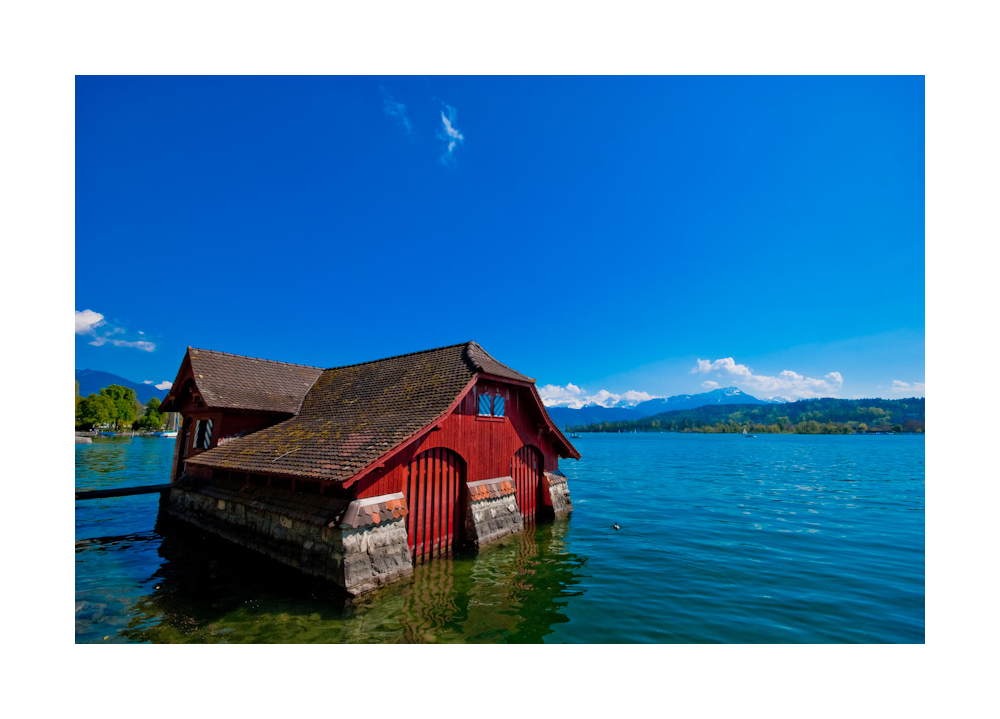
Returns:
(354, 473)
(208, 590)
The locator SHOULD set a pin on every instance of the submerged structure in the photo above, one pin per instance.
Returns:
(354, 473)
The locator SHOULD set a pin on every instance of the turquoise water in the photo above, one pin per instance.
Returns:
(780, 538)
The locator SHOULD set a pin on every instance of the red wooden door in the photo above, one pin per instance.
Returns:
(526, 470)
(433, 490)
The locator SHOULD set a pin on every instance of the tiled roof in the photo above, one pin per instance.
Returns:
(352, 416)
(488, 365)
(491, 488)
(356, 414)
(236, 382)
(374, 511)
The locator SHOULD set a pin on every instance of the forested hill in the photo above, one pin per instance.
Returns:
(807, 416)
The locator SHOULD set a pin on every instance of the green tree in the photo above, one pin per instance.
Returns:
(97, 409)
(123, 399)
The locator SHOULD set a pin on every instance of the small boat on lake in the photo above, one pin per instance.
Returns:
(574, 436)
(747, 435)
(168, 434)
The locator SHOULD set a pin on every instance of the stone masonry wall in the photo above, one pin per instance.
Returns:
(492, 512)
(559, 492)
(356, 559)
(375, 555)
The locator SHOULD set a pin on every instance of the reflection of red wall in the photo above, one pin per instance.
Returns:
(486, 445)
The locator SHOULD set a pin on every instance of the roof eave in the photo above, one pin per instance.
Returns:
(571, 450)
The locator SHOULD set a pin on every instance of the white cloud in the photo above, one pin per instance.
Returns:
(788, 383)
(574, 397)
(915, 389)
(395, 109)
(138, 344)
(164, 385)
(709, 384)
(452, 135)
(88, 322)
(147, 381)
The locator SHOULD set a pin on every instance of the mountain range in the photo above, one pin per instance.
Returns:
(92, 381)
(563, 416)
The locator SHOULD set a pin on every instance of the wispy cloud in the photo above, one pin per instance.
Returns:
(93, 324)
(914, 389)
(709, 384)
(450, 134)
(788, 383)
(395, 110)
(574, 397)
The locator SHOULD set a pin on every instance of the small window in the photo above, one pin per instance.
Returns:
(491, 405)
(203, 434)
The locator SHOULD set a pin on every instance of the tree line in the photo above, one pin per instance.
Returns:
(815, 416)
(118, 406)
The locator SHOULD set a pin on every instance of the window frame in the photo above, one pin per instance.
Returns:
(493, 395)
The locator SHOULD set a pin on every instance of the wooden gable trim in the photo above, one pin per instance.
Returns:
(183, 373)
(570, 449)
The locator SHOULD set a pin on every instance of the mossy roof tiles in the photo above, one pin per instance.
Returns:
(354, 415)
(229, 381)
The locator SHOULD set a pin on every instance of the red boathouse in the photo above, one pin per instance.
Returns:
(353, 473)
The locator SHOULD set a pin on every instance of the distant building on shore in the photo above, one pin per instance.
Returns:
(354, 473)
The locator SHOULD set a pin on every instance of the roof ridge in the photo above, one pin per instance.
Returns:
(480, 368)
(259, 359)
(405, 354)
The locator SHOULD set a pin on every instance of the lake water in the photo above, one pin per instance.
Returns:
(780, 538)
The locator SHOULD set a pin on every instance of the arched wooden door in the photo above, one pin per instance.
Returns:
(433, 493)
(526, 470)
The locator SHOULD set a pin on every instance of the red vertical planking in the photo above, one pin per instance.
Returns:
(446, 506)
(453, 504)
(423, 508)
(437, 500)
(429, 512)
(433, 489)
(453, 512)
(421, 484)
(411, 507)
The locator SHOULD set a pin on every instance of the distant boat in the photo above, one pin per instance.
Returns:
(169, 434)
(574, 436)
(747, 435)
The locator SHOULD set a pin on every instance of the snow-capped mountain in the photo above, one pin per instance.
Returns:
(594, 412)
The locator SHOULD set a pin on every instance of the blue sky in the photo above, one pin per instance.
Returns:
(653, 236)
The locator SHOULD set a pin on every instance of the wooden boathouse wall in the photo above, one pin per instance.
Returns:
(487, 447)
(483, 463)
(486, 444)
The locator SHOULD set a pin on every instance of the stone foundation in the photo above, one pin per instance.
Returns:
(492, 513)
(304, 531)
(559, 493)
(359, 545)
(374, 542)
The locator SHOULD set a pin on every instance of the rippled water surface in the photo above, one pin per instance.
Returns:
(781, 538)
